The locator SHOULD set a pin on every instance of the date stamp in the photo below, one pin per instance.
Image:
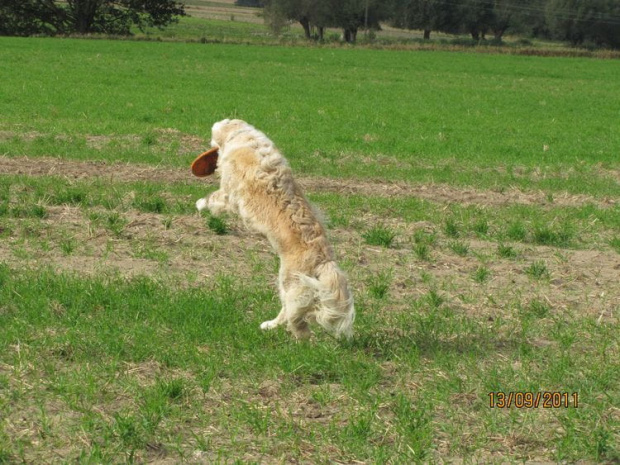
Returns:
(547, 399)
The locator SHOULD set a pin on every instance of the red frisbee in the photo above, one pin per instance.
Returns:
(205, 163)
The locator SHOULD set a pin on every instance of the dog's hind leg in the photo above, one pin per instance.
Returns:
(296, 303)
(299, 326)
(300, 301)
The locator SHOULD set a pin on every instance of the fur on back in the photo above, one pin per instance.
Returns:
(258, 185)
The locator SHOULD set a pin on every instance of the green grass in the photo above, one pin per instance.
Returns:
(116, 223)
(379, 235)
(516, 231)
(423, 242)
(547, 236)
(182, 373)
(538, 270)
(451, 228)
(459, 248)
(481, 275)
(422, 250)
(482, 125)
(217, 225)
(26, 197)
(506, 251)
(379, 284)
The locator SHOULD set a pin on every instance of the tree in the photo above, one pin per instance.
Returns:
(536, 20)
(26, 17)
(309, 13)
(503, 15)
(476, 17)
(578, 21)
(351, 15)
(514, 15)
(426, 15)
(22, 18)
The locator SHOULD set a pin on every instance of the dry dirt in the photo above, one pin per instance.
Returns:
(118, 172)
(583, 280)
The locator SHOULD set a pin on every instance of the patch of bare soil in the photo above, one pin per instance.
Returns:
(586, 280)
(449, 194)
(433, 192)
(74, 169)
(583, 280)
(145, 246)
(188, 252)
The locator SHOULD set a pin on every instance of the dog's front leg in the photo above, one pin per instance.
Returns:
(277, 321)
(281, 318)
(216, 203)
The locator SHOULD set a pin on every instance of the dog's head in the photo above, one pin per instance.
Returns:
(222, 130)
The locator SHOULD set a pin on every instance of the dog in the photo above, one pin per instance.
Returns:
(256, 183)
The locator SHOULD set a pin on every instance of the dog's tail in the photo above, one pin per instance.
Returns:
(336, 312)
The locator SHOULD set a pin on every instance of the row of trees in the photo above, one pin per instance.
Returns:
(28, 17)
(575, 21)
(316, 15)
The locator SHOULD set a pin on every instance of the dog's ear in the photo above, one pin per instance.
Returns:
(206, 163)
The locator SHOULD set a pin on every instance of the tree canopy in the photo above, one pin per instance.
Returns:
(579, 21)
(349, 15)
(27, 17)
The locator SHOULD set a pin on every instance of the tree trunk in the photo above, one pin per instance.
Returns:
(350, 34)
(305, 23)
(83, 12)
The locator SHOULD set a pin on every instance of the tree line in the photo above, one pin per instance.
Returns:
(578, 22)
(575, 21)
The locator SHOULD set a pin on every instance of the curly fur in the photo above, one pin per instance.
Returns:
(258, 185)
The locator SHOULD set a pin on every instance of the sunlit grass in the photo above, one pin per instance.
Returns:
(178, 364)
(484, 123)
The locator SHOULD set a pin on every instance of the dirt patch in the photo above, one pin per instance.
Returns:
(448, 194)
(99, 142)
(119, 172)
(146, 245)
(115, 172)
(184, 249)
(187, 252)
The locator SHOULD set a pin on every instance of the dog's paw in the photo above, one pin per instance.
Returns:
(268, 324)
(201, 204)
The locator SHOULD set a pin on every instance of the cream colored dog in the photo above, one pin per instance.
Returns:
(258, 185)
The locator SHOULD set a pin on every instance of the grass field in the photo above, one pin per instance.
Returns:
(472, 199)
